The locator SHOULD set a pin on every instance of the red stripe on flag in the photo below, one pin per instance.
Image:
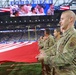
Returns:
(64, 7)
(25, 53)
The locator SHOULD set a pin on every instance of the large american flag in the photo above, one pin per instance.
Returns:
(19, 52)
(10, 46)
(64, 7)
(5, 9)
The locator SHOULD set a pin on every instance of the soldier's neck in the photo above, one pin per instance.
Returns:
(69, 26)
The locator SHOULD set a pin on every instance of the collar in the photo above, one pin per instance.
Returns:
(69, 31)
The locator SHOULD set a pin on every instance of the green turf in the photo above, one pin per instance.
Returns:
(12, 68)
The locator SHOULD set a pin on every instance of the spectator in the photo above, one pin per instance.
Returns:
(33, 11)
(41, 11)
(50, 11)
(23, 10)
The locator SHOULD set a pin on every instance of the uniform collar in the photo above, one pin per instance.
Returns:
(69, 31)
(49, 36)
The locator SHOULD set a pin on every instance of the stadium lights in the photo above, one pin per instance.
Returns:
(35, 20)
(43, 19)
(56, 19)
(52, 19)
(6, 22)
(38, 26)
(48, 25)
(28, 26)
(24, 20)
(20, 21)
(1, 22)
(58, 24)
(47, 19)
(39, 20)
(15, 21)
(10, 21)
(30, 21)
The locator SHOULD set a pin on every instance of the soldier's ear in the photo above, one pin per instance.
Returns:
(71, 19)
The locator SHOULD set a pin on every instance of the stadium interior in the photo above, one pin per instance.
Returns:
(26, 28)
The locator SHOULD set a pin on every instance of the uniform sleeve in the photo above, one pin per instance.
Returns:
(49, 43)
(66, 57)
(41, 43)
(52, 50)
(52, 46)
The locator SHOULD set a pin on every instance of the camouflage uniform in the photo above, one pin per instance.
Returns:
(63, 54)
(44, 45)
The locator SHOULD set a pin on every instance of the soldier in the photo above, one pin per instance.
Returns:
(44, 43)
(57, 33)
(63, 54)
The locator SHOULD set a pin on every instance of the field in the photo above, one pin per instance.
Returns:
(16, 68)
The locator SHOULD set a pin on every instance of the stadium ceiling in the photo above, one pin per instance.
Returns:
(5, 3)
(64, 2)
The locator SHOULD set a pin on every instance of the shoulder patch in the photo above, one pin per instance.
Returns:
(72, 42)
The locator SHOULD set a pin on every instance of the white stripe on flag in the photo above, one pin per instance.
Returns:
(11, 46)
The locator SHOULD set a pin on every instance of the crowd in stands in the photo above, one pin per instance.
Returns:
(20, 36)
(31, 10)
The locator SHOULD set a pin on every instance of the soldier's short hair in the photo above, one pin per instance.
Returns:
(58, 30)
(70, 13)
(47, 31)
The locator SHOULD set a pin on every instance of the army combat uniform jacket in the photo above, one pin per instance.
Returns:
(63, 54)
(46, 44)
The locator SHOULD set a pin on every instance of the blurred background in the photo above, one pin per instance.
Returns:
(26, 20)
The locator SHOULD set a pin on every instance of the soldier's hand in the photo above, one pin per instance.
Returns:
(41, 37)
(42, 51)
(40, 57)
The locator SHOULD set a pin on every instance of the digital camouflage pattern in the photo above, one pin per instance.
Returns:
(62, 55)
(46, 44)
